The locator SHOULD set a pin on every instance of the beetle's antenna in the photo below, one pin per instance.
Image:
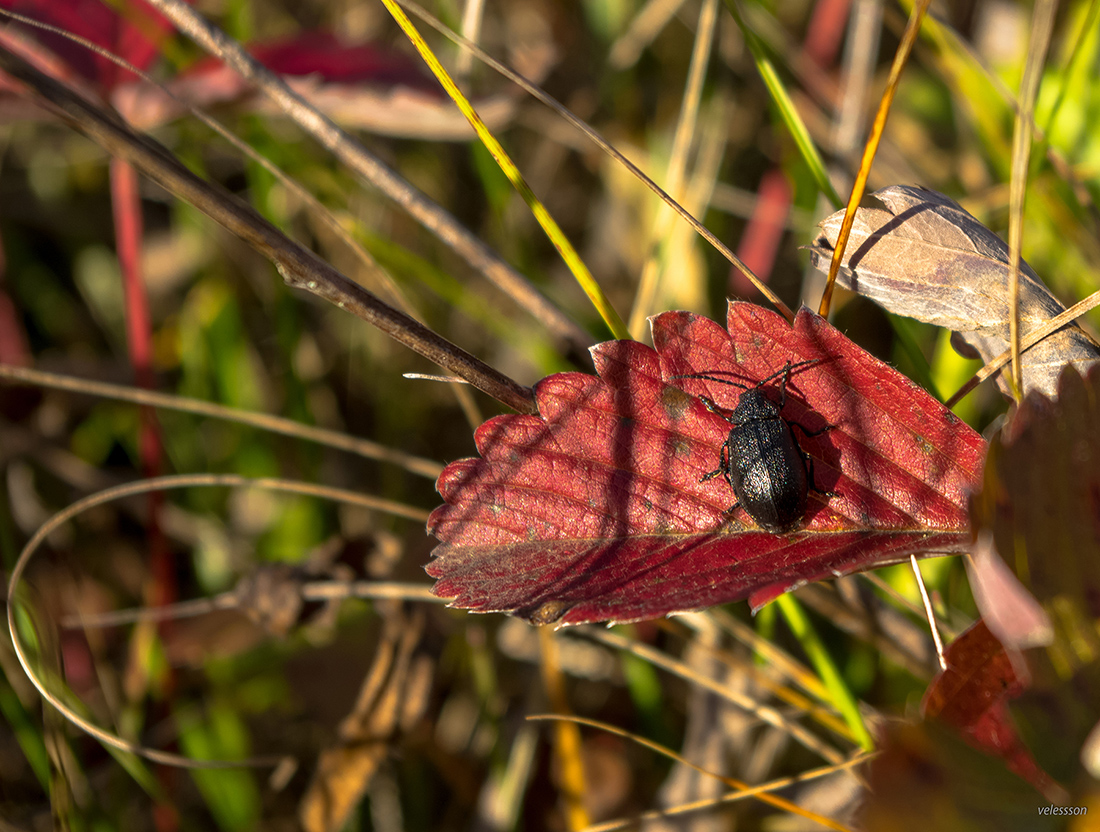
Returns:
(786, 369)
(706, 377)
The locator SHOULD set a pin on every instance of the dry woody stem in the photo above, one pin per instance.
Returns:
(299, 267)
(371, 169)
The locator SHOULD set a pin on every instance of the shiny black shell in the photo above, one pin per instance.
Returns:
(763, 464)
(769, 473)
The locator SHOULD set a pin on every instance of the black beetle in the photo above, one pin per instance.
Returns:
(761, 460)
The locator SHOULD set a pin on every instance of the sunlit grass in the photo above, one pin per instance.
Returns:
(226, 330)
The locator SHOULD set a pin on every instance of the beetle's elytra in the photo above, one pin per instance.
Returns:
(769, 473)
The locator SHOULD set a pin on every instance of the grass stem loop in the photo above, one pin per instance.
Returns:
(17, 610)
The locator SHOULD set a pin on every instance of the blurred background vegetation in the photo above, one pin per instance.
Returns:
(443, 743)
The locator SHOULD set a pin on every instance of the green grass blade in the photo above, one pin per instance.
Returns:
(841, 694)
(553, 231)
(26, 733)
(787, 111)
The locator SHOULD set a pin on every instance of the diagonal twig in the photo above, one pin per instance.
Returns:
(299, 267)
(358, 159)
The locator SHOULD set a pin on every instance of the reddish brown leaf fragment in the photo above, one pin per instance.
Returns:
(1041, 504)
(972, 696)
(1042, 501)
(925, 777)
(596, 508)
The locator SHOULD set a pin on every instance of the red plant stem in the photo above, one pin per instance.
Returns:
(126, 206)
(14, 348)
(826, 31)
(764, 232)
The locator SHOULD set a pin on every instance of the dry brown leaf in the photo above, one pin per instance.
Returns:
(924, 257)
(391, 700)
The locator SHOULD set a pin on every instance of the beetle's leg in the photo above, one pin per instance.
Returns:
(783, 386)
(723, 464)
(811, 434)
(714, 407)
(810, 471)
(726, 459)
(809, 459)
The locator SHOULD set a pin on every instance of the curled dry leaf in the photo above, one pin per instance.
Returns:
(595, 509)
(924, 257)
(392, 698)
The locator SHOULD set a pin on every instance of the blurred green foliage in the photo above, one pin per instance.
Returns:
(225, 329)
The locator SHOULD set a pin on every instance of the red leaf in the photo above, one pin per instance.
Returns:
(322, 54)
(318, 55)
(594, 509)
(135, 35)
(972, 696)
(925, 777)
